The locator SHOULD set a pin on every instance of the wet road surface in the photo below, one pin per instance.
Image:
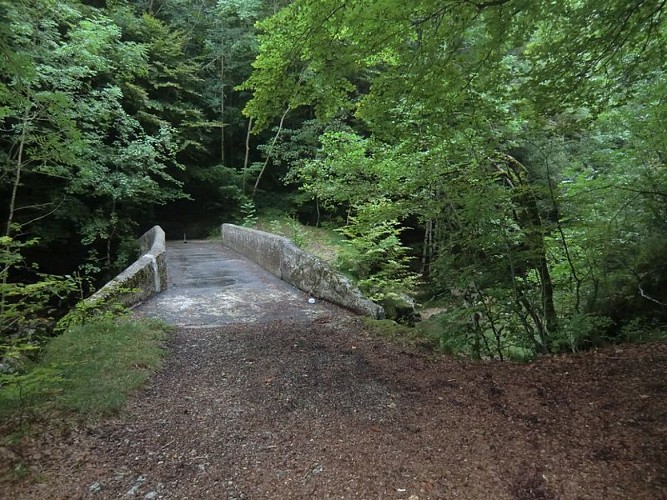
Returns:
(211, 285)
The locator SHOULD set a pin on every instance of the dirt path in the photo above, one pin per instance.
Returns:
(311, 406)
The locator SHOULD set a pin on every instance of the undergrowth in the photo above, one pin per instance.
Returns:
(482, 329)
(322, 242)
(451, 330)
(400, 334)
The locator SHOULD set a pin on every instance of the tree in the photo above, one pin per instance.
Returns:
(461, 96)
(73, 161)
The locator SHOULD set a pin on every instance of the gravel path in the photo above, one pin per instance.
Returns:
(304, 403)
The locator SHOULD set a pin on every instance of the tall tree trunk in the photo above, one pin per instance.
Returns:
(550, 317)
(538, 260)
(247, 155)
(426, 251)
(273, 144)
(11, 209)
(17, 177)
(528, 218)
(112, 233)
(573, 271)
(222, 110)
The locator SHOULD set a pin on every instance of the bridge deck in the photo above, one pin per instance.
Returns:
(211, 285)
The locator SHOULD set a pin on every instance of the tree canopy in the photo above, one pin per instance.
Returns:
(487, 123)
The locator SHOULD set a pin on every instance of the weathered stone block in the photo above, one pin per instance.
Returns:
(144, 278)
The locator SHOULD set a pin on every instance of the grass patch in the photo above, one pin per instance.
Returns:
(89, 370)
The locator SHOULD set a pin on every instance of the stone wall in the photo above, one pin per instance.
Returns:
(146, 277)
(281, 257)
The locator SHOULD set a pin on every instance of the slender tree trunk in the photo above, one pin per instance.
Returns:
(222, 109)
(247, 155)
(550, 316)
(12, 208)
(538, 261)
(528, 218)
(112, 234)
(17, 176)
(428, 234)
(273, 144)
(566, 248)
(540, 340)
(437, 236)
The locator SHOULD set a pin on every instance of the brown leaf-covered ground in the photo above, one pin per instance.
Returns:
(321, 409)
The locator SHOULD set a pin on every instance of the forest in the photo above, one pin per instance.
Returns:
(505, 159)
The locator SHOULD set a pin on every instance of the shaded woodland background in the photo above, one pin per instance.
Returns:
(504, 159)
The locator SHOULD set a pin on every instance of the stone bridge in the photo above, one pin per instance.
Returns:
(251, 276)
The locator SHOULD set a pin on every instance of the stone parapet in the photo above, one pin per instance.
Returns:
(144, 278)
(281, 257)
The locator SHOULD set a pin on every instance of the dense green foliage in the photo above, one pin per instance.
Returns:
(509, 152)
(108, 112)
(524, 140)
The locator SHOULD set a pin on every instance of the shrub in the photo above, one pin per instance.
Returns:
(374, 256)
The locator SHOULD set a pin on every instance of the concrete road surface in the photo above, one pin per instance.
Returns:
(211, 285)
